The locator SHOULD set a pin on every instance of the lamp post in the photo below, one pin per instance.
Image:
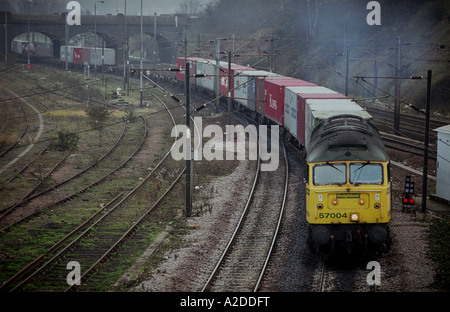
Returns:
(6, 38)
(142, 54)
(125, 47)
(30, 2)
(66, 48)
(95, 30)
(6, 8)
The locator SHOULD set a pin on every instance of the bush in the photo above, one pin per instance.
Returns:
(64, 140)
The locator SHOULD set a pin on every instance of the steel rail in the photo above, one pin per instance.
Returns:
(54, 247)
(286, 184)
(322, 276)
(70, 197)
(127, 234)
(238, 227)
(87, 230)
(28, 197)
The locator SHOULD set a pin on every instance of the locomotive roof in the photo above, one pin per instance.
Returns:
(346, 137)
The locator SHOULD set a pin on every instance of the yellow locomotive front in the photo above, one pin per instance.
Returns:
(348, 188)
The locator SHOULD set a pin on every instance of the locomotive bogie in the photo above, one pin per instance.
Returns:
(354, 236)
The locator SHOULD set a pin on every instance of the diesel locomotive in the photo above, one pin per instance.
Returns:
(348, 185)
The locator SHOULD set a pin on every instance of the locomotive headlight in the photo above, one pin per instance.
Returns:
(334, 202)
(354, 217)
(362, 202)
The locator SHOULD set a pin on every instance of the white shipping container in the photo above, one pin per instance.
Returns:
(290, 109)
(96, 56)
(209, 69)
(443, 166)
(19, 46)
(294, 118)
(317, 110)
(16, 46)
(69, 53)
(199, 71)
(246, 93)
(109, 56)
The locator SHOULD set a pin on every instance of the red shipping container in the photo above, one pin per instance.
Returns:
(180, 65)
(261, 94)
(235, 69)
(274, 96)
(86, 55)
(77, 55)
(82, 55)
(180, 61)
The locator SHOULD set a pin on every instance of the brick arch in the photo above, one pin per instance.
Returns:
(111, 28)
(56, 42)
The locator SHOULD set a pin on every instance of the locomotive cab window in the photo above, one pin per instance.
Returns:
(366, 173)
(330, 174)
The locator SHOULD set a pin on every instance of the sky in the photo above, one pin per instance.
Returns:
(133, 6)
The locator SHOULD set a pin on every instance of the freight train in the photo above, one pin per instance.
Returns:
(348, 187)
(35, 48)
(88, 55)
(75, 55)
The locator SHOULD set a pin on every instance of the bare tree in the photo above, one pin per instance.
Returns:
(98, 116)
(312, 19)
(190, 7)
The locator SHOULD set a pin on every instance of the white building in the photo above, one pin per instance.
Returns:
(443, 163)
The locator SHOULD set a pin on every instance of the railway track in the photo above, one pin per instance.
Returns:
(15, 159)
(335, 275)
(97, 238)
(24, 115)
(35, 163)
(408, 145)
(70, 187)
(243, 262)
(411, 126)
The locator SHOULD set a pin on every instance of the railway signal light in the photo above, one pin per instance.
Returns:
(87, 71)
(408, 200)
